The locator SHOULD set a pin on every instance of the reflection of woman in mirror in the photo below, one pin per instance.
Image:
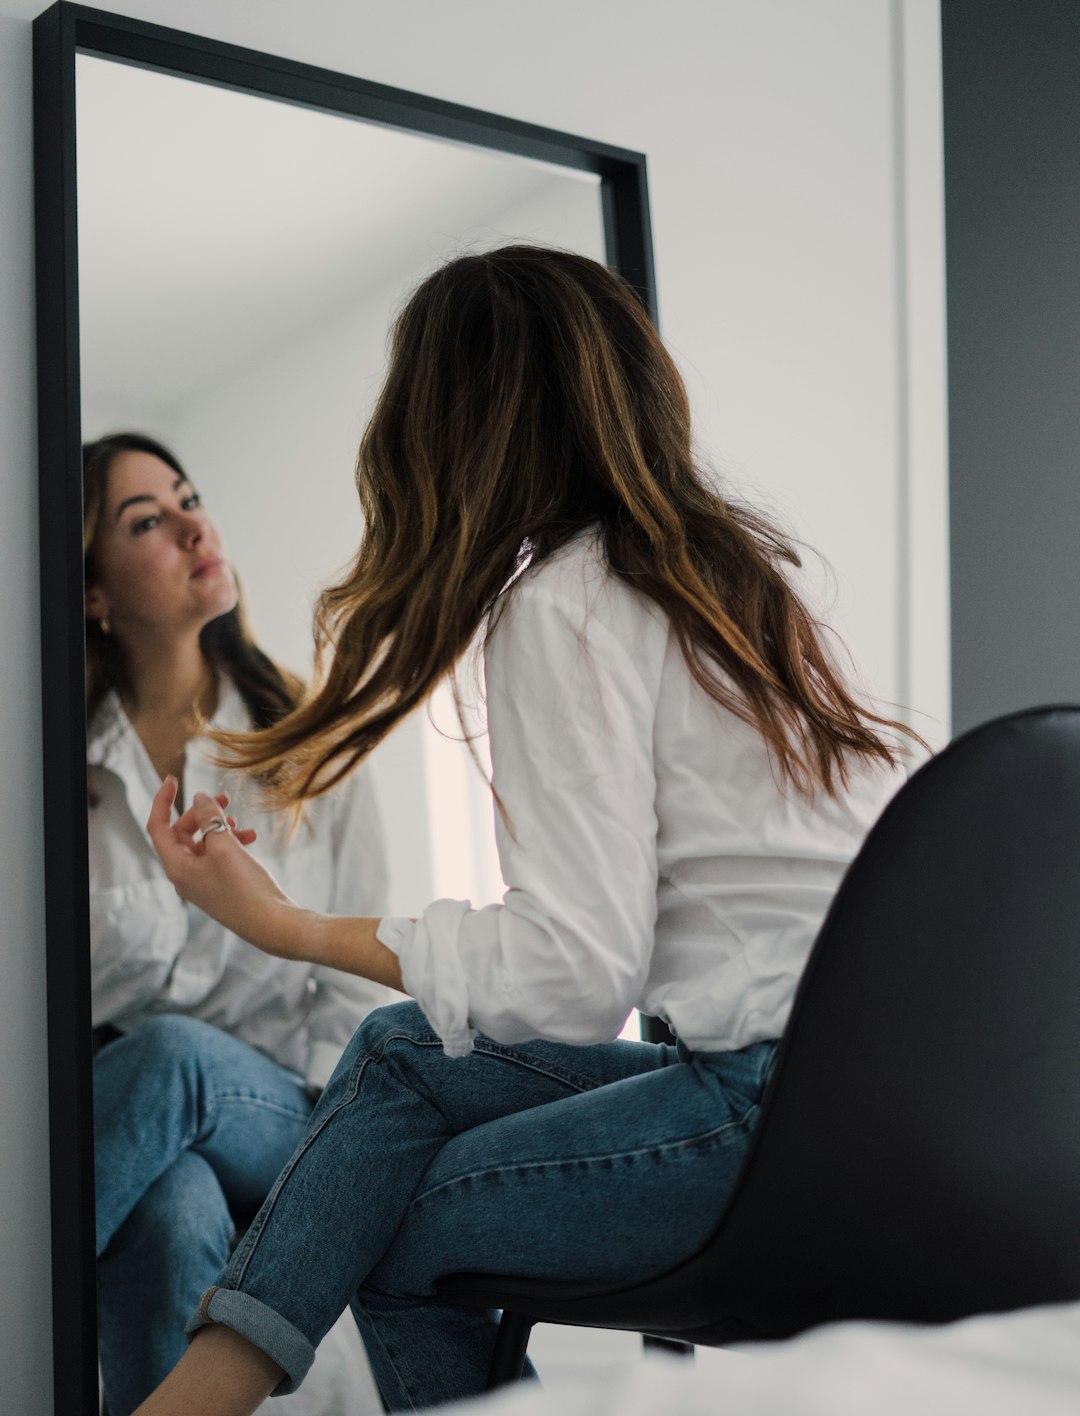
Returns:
(682, 776)
(215, 1050)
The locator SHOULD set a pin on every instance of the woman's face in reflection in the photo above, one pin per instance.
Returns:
(160, 563)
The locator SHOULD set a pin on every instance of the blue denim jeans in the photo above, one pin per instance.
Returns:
(610, 1162)
(191, 1127)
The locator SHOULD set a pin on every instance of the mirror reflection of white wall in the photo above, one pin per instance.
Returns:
(240, 262)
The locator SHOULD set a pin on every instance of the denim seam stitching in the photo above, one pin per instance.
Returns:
(245, 1251)
(487, 1048)
(373, 1331)
(674, 1147)
(210, 1115)
(239, 1099)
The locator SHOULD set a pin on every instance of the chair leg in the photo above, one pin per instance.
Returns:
(511, 1344)
(666, 1344)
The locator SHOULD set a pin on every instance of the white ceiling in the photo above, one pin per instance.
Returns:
(212, 224)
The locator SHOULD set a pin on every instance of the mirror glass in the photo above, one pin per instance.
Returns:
(240, 263)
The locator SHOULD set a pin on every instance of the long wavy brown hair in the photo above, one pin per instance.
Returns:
(529, 397)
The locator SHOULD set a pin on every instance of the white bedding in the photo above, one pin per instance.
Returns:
(1016, 1364)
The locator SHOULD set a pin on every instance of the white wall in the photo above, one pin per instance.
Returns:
(797, 218)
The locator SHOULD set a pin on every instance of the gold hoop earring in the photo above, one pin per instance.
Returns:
(106, 627)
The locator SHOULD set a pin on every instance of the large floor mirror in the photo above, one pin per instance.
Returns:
(223, 240)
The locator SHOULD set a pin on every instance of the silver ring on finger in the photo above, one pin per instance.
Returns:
(216, 825)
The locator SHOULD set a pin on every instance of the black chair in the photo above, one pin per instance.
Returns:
(918, 1155)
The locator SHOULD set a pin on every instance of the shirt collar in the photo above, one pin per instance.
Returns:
(112, 741)
(113, 745)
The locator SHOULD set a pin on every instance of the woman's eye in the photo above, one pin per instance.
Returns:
(191, 502)
(146, 524)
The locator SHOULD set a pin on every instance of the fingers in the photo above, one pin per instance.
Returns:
(206, 811)
(177, 840)
(189, 829)
(158, 823)
(171, 847)
(186, 827)
(244, 834)
(209, 818)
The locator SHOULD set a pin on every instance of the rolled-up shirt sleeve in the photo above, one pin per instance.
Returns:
(564, 956)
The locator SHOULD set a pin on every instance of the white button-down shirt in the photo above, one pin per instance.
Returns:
(153, 953)
(651, 858)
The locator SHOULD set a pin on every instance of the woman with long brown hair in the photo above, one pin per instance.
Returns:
(207, 1051)
(681, 775)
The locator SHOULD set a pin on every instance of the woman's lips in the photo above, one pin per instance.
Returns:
(207, 567)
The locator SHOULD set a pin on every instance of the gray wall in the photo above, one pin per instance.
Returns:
(1012, 207)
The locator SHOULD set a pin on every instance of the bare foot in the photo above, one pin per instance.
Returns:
(221, 1374)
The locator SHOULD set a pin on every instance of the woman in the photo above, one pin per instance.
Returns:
(214, 1051)
(681, 778)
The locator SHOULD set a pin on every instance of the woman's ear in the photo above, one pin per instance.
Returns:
(97, 606)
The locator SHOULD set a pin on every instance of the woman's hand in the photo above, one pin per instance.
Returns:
(214, 870)
(204, 856)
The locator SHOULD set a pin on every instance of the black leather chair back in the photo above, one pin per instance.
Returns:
(918, 1156)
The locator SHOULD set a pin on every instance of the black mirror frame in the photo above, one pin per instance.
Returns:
(59, 34)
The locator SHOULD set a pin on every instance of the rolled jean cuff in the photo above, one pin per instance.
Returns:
(269, 1331)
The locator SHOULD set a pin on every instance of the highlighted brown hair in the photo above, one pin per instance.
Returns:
(529, 397)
